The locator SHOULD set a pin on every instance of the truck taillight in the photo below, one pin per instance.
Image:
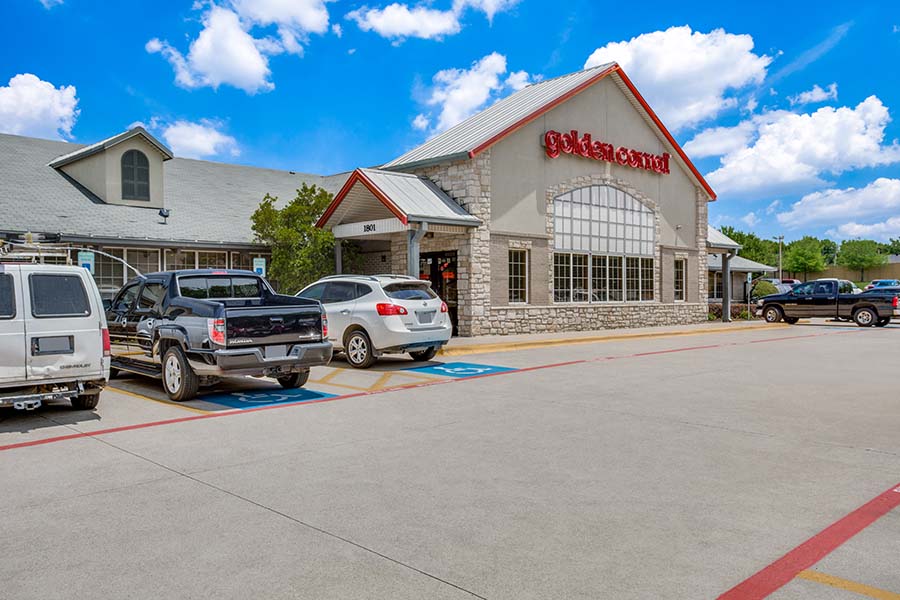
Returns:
(216, 329)
(444, 307)
(895, 301)
(107, 349)
(324, 327)
(388, 310)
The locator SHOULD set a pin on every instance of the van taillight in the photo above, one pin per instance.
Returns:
(388, 310)
(216, 329)
(107, 349)
(324, 327)
(444, 307)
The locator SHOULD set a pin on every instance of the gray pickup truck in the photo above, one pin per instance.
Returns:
(190, 328)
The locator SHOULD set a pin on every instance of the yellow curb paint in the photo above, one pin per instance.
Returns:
(505, 347)
(850, 586)
(166, 402)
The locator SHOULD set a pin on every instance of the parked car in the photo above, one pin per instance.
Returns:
(822, 298)
(54, 344)
(877, 283)
(370, 316)
(189, 328)
(791, 282)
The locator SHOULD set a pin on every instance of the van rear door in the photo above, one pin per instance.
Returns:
(12, 326)
(62, 324)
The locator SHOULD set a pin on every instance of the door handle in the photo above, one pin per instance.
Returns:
(345, 311)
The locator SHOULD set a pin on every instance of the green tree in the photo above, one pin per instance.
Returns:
(301, 252)
(753, 247)
(860, 255)
(804, 256)
(892, 247)
(829, 251)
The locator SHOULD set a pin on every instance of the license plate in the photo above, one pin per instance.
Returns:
(426, 316)
(276, 351)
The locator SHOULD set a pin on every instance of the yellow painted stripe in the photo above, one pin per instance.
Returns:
(166, 402)
(850, 586)
(507, 346)
(328, 377)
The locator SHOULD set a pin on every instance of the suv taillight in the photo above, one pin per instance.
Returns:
(107, 349)
(324, 327)
(216, 329)
(387, 310)
(444, 307)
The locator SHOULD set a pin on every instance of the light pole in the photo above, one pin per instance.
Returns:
(780, 240)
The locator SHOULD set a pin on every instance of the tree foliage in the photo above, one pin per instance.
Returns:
(753, 247)
(763, 288)
(804, 256)
(860, 255)
(301, 252)
(829, 251)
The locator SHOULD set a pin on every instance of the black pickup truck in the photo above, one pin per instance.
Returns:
(189, 328)
(824, 298)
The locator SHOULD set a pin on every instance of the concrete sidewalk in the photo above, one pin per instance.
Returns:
(498, 343)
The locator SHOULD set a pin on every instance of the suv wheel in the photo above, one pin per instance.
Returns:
(179, 380)
(865, 317)
(772, 314)
(424, 355)
(294, 380)
(86, 401)
(358, 349)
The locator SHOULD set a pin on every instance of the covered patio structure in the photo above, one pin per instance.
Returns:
(719, 243)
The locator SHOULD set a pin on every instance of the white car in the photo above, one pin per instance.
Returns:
(369, 316)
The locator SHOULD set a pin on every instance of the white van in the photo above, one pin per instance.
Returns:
(54, 344)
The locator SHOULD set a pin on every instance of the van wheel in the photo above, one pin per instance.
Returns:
(179, 380)
(358, 349)
(113, 372)
(294, 380)
(865, 317)
(86, 401)
(424, 355)
(772, 314)
(883, 322)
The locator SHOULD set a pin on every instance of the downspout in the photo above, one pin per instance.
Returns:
(726, 286)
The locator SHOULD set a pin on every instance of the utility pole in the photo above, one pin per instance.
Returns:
(780, 239)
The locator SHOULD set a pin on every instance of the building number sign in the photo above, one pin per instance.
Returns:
(369, 228)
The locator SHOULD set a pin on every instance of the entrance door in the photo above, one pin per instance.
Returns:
(440, 268)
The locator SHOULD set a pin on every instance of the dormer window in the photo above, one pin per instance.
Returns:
(135, 176)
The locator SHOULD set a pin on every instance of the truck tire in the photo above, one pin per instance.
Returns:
(772, 314)
(86, 401)
(791, 320)
(424, 355)
(358, 350)
(883, 322)
(178, 379)
(865, 317)
(294, 380)
(113, 373)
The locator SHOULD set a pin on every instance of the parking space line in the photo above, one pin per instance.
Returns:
(845, 584)
(779, 573)
(328, 377)
(166, 402)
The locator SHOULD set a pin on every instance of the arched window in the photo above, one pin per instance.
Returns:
(604, 240)
(135, 176)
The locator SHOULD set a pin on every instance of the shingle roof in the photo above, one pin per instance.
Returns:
(717, 239)
(739, 264)
(210, 202)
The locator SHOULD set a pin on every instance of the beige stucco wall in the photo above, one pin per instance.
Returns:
(91, 173)
(521, 170)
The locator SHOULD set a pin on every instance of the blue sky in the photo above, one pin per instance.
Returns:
(790, 111)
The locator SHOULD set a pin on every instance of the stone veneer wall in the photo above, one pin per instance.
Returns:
(585, 317)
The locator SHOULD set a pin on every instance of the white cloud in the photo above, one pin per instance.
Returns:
(399, 21)
(880, 198)
(199, 140)
(790, 152)
(518, 80)
(421, 122)
(815, 95)
(32, 106)
(223, 53)
(48, 4)
(295, 19)
(883, 231)
(687, 76)
(773, 206)
(488, 7)
(750, 219)
(337, 30)
(718, 141)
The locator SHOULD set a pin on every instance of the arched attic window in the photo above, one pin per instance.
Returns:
(135, 176)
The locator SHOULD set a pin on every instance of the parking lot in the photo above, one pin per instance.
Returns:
(721, 464)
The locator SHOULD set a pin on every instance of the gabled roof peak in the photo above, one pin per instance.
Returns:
(109, 142)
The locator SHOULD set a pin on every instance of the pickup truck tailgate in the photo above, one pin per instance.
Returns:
(257, 326)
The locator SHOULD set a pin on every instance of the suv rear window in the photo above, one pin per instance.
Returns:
(7, 297)
(58, 296)
(219, 287)
(409, 291)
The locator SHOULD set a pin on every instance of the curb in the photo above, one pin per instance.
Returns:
(528, 345)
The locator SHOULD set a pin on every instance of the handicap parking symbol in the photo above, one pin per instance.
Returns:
(254, 398)
(461, 370)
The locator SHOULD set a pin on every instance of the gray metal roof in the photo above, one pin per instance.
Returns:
(460, 139)
(717, 239)
(102, 145)
(419, 198)
(739, 264)
(210, 202)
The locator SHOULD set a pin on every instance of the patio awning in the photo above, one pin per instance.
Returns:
(716, 241)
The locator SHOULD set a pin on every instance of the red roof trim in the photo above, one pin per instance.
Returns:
(577, 90)
(359, 177)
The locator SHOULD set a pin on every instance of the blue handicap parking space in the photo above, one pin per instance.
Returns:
(255, 398)
(461, 369)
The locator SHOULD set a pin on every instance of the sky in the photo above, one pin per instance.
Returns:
(789, 110)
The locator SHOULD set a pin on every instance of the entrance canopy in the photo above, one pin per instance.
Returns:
(375, 202)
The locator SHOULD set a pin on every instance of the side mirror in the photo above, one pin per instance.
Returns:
(107, 304)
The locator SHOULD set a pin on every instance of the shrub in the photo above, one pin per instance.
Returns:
(763, 288)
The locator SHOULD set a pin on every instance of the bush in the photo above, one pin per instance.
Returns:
(738, 312)
(762, 288)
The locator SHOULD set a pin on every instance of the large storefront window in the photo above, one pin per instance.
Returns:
(145, 261)
(212, 260)
(110, 273)
(180, 259)
(714, 284)
(604, 243)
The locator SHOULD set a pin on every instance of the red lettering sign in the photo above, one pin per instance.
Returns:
(556, 143)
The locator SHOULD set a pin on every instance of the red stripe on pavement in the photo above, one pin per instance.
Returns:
(783, 570)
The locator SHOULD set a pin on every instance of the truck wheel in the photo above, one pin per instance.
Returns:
(883, 322)
(358, 349)
(772, 314)
(86, 401)
(179, 380)
(791, 320)
(865, 317)
(294, 380)
(113, 372)
(424, 355)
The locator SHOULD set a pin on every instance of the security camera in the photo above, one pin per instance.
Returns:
(164, 213)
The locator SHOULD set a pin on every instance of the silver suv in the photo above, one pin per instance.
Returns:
(369, 316)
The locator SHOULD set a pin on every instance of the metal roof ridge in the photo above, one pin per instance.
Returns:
(109, 142)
